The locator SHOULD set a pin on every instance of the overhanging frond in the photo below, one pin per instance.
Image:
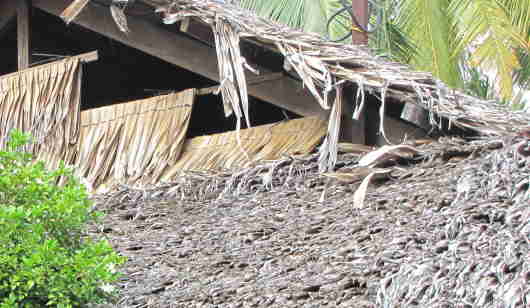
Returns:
(428, 26)
(486, 26)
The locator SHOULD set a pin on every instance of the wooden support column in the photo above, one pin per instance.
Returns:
(360, 10)
(23, 33)
(354, 130)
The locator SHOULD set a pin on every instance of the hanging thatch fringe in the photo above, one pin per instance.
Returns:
(231, 69)
(43, 101)
(133, 142)
(267, 142)
(118, 14)
(328, 151)
(316, 59)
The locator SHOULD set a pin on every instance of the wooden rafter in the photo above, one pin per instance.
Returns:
(186, 53)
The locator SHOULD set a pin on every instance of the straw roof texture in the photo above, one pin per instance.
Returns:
(447, 226)
(43, 101)
(134, 142)
(237, 150)
(322, 64)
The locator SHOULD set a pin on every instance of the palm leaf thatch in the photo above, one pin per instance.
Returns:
(43, 101)
(133, 142)
(266, 142)
(321, 65)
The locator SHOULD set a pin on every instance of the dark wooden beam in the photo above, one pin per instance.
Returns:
(187, 53)
(24, 33)
(416, 114)
(8, 11)
(355, 130)
(83, 58)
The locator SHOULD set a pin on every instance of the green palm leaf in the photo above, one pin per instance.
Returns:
(486, 26)
(427, 25)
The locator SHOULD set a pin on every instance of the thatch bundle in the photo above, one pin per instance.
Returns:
(43, 101)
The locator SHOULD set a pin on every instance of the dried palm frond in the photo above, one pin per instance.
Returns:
(360, 193)
(231, 71)
(133, 142)
(318, 61)
(385, 153)
(118, 14)
(73, 10)
(266, 142)
(328, 150)
(43, 101)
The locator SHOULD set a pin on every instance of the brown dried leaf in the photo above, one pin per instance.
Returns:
(73, 10)
(345, 147)
(119, 18)
(385, 153)
(360, 193)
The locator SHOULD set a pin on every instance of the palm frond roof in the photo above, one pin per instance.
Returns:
(322, 64)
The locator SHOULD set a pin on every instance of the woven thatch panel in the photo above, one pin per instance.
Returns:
(222, 151)
(43, 101)
(133, 142)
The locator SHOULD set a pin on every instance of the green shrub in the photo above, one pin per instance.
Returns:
(46, 258)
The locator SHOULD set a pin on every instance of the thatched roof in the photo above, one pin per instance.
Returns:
(322, 64)
(446, 227)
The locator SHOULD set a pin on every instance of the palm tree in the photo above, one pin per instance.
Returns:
(462, 42)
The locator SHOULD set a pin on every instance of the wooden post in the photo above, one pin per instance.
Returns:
(23, 34)
(360, 10)
(354, 130)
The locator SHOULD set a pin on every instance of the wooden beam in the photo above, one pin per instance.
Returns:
(187, 53)
(252, 81)
(84, 58)
(89, 56)
(417, 115)
(24, 33)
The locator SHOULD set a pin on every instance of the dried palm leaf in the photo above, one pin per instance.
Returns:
(73, 10)
(43, 101)
(118, 14)
(267, 142)
(135, 142)
(233, 85)
(328, 150)
(360, 193)
(386, 153)
(345, 147)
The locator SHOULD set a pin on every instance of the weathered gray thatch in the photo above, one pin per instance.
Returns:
(322, 65)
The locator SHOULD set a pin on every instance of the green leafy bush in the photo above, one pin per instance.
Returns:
(46, 258)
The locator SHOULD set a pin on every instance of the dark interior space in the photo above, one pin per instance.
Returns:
(124, 74)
